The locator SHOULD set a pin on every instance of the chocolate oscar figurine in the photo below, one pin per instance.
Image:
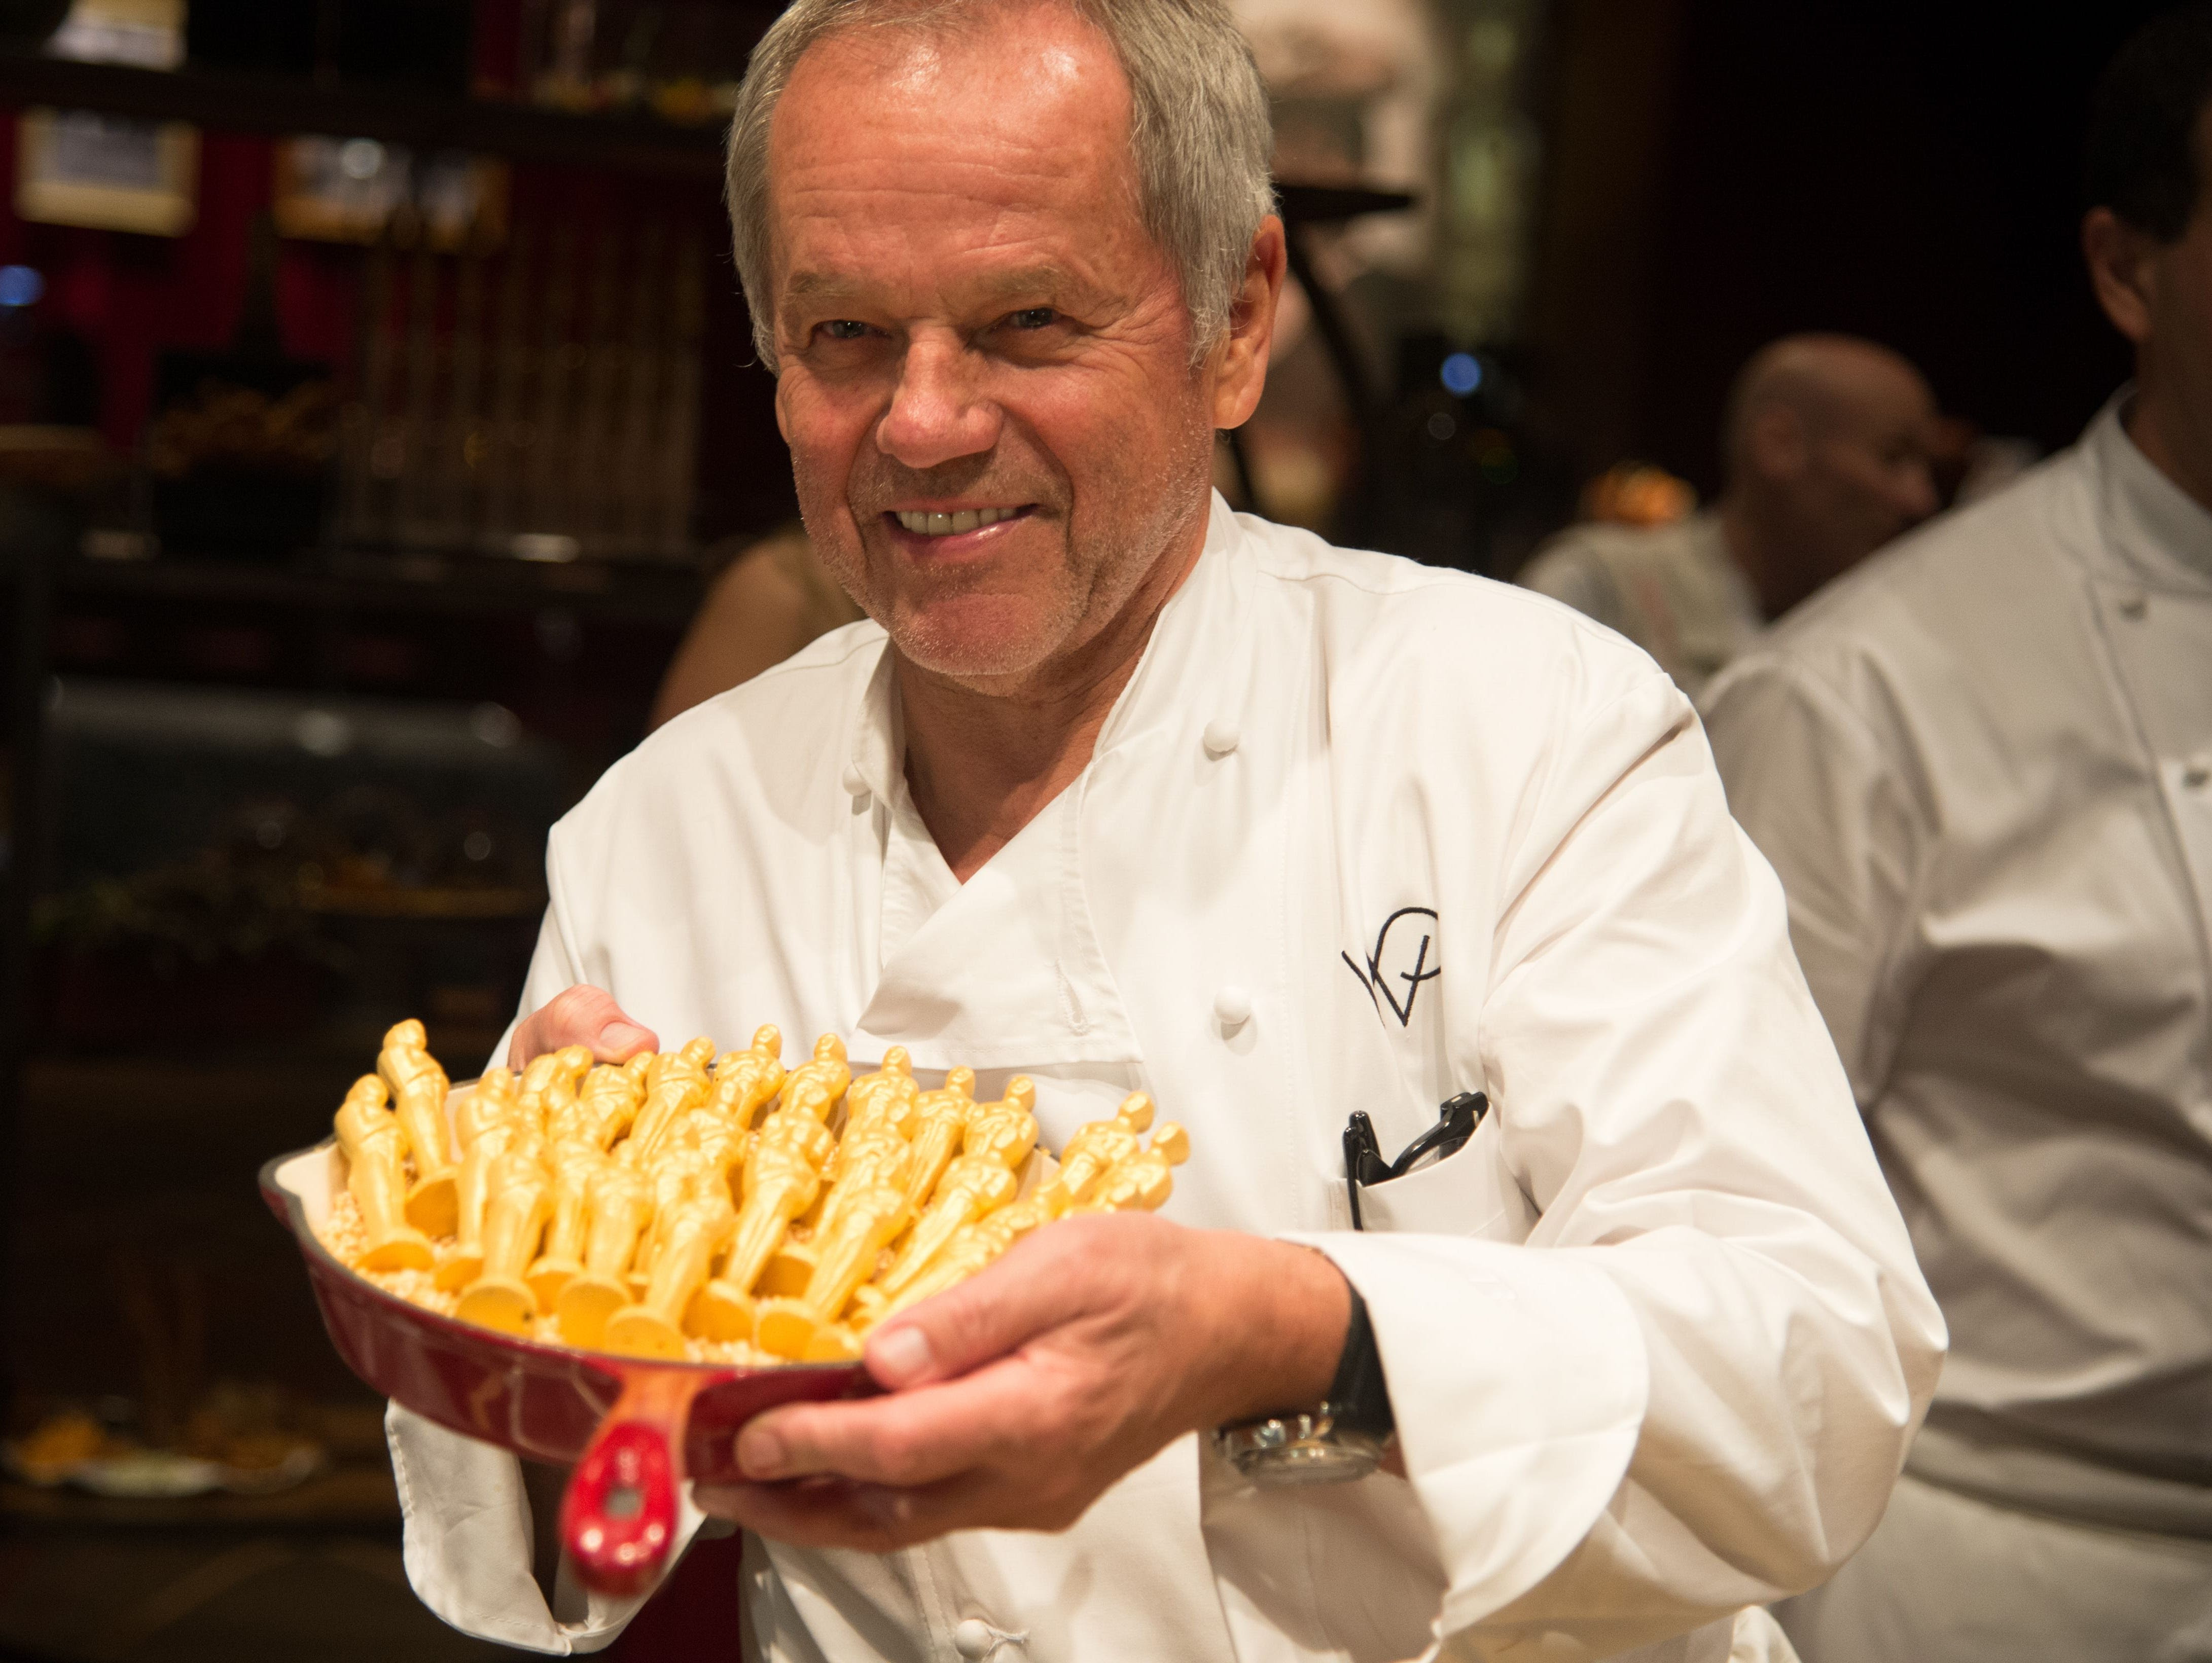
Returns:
(940, 1120)
(722, 1149)
(376, 1173)
(998, 1140)
(696, 1229)
(866, 1157)
(1143, 1182)
(782, 1177)
(418, 1099)
(550, 1092)
(888, 1096)
(521, 1201)
(677, 1082)
(488, 1125)
(747, 1081)
(575, 1163)
(673, 1175)
(977, 1246)
(869, 1156)
(620, 1202)
(1103, 1144)
(817, 1086)
(610, 1097)
(806, 1328)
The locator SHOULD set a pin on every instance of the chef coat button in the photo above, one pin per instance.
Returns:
(2133, 604)
(856, 783)
(2197, 774)
(1222, 738)
(1233, 1006)
(974, 1637)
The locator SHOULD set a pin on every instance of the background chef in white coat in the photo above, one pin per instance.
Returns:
(1983, 766)
(1117, 789)
(1824, 452)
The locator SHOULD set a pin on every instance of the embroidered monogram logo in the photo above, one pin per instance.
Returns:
(1406, 956)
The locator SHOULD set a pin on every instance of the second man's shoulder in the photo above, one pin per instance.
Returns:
(773, 729)
(1403, 626)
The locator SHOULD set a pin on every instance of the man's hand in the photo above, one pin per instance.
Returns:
(581, 1015)
(1017, 1397)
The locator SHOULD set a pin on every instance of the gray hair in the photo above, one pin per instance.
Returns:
(1199, 133)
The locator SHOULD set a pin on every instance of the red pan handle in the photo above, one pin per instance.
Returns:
(618, 1518)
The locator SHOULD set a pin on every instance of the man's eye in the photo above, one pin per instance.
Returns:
(843, 329)
(1036, 317)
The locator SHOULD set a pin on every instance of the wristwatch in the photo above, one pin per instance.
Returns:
(1343, 1437)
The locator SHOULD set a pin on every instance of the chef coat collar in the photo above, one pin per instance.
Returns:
(2154, 525)
(1173, 679)
(1199, 644)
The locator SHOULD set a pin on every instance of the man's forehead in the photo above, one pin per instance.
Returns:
(1040, 72)
(993, 164)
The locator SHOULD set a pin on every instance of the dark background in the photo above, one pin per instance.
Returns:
(1716, 174)
(1725, 171)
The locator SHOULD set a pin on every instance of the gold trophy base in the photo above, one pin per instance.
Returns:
(584, 1307)
(548, 1277)
(639, 1331)
(719, 1311)
(501, 1302)
(789, 1269)
(434, 1205)
(462, 1267)
(403, 1249)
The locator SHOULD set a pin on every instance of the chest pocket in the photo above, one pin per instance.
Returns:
(1470, 1192)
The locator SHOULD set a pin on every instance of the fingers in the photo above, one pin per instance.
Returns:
(911, 1438)
(1040, 1284)
(581, 1016)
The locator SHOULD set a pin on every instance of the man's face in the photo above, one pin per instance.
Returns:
(1866, 478)
(985, 370)
(2177, 349)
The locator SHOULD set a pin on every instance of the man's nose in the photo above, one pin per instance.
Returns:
(938, 413)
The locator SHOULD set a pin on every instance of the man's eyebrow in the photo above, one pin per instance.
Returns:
(803, 288)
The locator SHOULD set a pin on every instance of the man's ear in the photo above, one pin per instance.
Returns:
(2123, 269)
(1240, 362)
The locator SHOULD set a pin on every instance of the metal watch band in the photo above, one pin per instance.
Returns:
(1343, 1437)
(1299, 1448)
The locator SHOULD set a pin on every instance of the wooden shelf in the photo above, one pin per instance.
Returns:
(402, 583)
(352, 1496)
(1331, 205)
(240, 102)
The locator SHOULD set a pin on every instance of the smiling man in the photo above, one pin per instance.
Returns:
(1122, 791)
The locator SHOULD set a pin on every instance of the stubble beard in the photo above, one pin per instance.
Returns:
(1099, 572)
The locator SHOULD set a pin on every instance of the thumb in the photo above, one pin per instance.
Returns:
(1038, 1286)
(582, 1014)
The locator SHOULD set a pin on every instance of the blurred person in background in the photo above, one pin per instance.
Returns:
(774, 596)
(1824, 452)
(1983, 766)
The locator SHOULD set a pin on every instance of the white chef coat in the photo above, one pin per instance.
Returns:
(1674, 589)
(1357, 835)
(1983, 766)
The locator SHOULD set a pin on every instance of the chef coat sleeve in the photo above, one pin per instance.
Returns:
(1819, 793)
(1690, 1389)
(1569, 571)
(467, 1527)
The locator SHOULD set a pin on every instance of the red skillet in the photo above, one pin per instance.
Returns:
(635, 1431)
